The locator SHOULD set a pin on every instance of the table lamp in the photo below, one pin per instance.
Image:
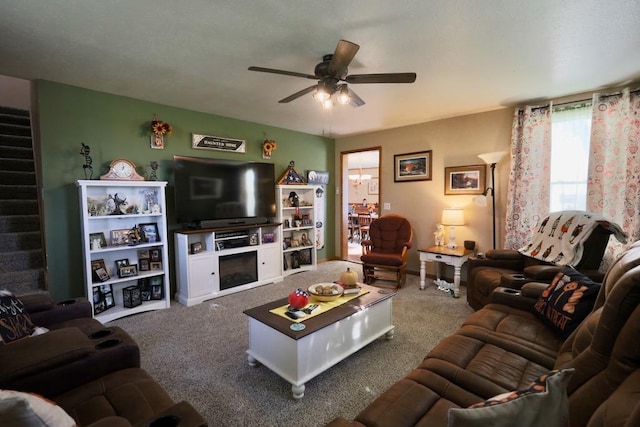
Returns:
(452, 217)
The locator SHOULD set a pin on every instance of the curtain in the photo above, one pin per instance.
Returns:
(528, 192)
(613, 188)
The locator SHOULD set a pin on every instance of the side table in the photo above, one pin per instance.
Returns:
(454, 257)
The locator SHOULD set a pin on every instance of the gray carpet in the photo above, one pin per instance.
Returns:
(198, 354)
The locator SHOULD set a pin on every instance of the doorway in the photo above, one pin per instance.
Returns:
(360, 196)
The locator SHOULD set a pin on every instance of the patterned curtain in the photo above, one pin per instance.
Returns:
(613, 188)
(528, 196)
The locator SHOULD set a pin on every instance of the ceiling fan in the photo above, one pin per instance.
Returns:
(330, 74)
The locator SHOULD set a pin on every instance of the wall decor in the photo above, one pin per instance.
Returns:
(374, 186)
(465, 179)
(208, 142)
(88, 161)
(158, 130)
(149, 232)
(317, 177)
(412, 166)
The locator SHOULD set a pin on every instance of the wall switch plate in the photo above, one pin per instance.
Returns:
(386, 207)
(337, 191)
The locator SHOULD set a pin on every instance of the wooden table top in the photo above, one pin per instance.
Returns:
(443, 250)
(315, 323)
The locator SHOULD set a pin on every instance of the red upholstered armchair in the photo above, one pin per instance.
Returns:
(386, 248)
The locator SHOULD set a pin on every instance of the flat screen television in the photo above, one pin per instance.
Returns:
(216, 192)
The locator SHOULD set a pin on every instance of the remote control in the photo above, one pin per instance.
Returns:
(295, 314)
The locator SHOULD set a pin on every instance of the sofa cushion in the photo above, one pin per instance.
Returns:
(15, 322)
(567, 301)
(29, 409)
(544, 403)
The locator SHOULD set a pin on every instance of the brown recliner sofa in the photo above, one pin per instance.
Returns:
(90, 370)
(500, 349)
(509, 268)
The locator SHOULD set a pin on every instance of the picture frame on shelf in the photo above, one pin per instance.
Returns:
(131, 296)
(302, 237)
(106, 292)
(99, 271)
(100, 237)
(155, 255)
(195, 247)
(253, 239)
(121, 263)
(144, 264)
(128, 271)
(157, 291)
(414, 166)
(286, 242)
(149, 232)
(268, 238)
(465, 179)
(120, 236)
(143, 253)
(155, 266)
(145, 289)
(304, 256)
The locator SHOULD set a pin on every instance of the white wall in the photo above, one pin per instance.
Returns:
(15, 93)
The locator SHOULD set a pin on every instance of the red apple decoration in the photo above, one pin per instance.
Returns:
(298, 298)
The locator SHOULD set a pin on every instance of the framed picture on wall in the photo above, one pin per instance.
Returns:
(412, 166)
(374, 184)
(465, 179)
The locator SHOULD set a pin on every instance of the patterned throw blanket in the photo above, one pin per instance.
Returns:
(559, 238)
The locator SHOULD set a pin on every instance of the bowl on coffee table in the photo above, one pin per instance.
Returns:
(326, 291)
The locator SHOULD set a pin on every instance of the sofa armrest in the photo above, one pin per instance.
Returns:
(513, 298)
(181, 414)
(113, 421)
(541, 273)
(502, 258)
(63, 311)
(534, 289)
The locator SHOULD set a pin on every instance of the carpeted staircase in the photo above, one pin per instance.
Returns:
(21, 254)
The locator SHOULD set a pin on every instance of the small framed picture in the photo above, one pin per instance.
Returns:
(286, 243)
(155, 266)
(99, 270)
(145, 289)
(196, 247)
(98, 237)
(155, 255)
(156, 288)
(143, 253)
(219, 246)
(412, 166)
(253, 239)
(304, 256)
(108, 300)
(120, 237)
(121, 263)
(143, 264)
(149, 232)
(268, 238)
(128, 271)
(465, 179)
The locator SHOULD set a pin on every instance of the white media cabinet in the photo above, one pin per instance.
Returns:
(215, 262)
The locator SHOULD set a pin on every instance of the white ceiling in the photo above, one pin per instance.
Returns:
(469, 56)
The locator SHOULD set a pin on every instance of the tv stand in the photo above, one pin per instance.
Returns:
(217, 261)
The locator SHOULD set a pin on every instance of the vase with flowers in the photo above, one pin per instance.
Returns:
(158, 131)
(268, 146)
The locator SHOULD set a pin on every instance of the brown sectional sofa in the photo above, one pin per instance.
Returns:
(500, 349)
(91, 371)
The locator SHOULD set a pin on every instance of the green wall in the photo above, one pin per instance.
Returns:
(115, 126)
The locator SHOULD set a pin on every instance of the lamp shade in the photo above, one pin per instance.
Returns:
(480, 200)
(453, 216)
(493, 157)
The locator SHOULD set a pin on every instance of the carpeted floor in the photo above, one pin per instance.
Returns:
(198, 354)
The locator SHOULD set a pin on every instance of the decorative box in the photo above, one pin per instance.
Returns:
(131, 296)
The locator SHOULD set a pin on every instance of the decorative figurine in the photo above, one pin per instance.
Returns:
(120, 204)
(88, 161)
(134, 235)
(439, 235)
(154, 168)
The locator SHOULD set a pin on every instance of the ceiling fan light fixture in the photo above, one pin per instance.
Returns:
(327, 104)
(343, 95)
(321, 95)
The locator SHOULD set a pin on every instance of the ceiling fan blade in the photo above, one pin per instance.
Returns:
(381, 78)
(286, 73)
(298, 94)
(356, 101)
(342, 57)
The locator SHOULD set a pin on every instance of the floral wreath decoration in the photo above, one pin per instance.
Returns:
(268, 146)
(159, 127)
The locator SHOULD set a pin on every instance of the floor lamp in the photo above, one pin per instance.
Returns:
(491, 159)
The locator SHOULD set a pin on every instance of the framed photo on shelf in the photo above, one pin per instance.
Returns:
(120, 236)
(99, 270)
(286, 243)
(149, 232)
(131, 296)
(144, 264)
(98, 236)
(121, 263)
(156, 288)
(128, 271)
(155, 255)
(304, 257)
(414, 166)
(143, 253)
(145, 289)
(302, 237)
(155, 266)
(268, 238)
(465, 179)
(196, 247)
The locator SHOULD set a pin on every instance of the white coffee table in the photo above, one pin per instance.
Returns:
(328, 338)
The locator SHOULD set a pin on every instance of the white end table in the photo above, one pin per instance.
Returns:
(454, 257)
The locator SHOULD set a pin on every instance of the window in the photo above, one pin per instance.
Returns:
(570, 135)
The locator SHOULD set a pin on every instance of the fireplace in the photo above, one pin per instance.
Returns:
(238, 269)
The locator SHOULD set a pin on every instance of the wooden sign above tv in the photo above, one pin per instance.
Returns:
(208, 142)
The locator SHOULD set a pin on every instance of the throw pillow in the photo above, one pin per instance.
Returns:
(567, 301)
(19, 409)
(15, 322)
(543, 403)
